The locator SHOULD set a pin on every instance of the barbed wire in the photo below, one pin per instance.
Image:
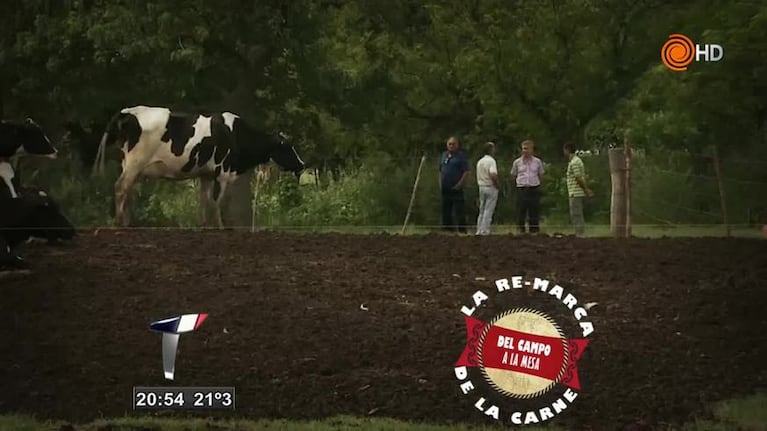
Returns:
(640, 211)
(263, 228)
(750, 161)
(668, 204)
(732, 180)
(639, 173)
(584, 153)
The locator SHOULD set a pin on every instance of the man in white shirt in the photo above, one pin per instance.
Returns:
(487, 179)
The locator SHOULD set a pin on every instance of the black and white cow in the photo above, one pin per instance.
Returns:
(215, 147)
(25, 137)
(18, 138)
(29, 215)
(10, 188)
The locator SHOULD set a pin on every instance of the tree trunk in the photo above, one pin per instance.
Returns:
(2, 96)
(627, 153)
(237, 206)
(722, 195)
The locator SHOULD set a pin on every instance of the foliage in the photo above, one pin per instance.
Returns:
(367, 87)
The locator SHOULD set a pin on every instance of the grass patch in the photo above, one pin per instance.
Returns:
(592, 231)
(24, 423)
(747, 414)
(338, 423)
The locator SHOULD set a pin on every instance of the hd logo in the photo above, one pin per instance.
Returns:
(679, 52)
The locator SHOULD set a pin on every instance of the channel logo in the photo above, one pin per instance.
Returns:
(171, 330)
(679, 52)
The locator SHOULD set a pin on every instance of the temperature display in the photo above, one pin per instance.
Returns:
(212, 398)
(199, 398)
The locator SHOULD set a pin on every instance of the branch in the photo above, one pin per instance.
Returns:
(626, 76)
(416, 113)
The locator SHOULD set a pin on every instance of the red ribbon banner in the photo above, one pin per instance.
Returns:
(531, 354)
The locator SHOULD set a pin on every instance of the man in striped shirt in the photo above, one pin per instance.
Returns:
(527, 172)
(577, 188)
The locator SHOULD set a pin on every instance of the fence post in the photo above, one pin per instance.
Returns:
(618, 196)
(254, 205)
(627, 149)
(412, 195)
(722, 196)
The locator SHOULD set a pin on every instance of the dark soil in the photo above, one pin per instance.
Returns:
(679, 325)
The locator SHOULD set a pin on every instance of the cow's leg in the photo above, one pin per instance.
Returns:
(123, 187)
(219, 191)
(9, 256)
(18, 261)
(206, 189)
(7, 259)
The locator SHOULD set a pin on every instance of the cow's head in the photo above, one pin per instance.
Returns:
(286, 156)
(33, 140)
(46, 220)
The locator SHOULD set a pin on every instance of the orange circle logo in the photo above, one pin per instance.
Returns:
(677, 52)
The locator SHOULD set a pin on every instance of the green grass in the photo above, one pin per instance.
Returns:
(338, 423)
(747, 414)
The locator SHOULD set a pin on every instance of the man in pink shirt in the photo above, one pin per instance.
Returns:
(527, 172)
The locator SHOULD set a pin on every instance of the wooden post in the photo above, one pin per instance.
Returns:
(722, 196)
(627, 150)
(412, 195)
(618, 197)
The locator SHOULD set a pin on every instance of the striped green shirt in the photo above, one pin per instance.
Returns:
(575, 169)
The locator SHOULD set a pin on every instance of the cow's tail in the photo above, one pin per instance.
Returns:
(98, 165)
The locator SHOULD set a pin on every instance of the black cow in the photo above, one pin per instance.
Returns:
(216, 148)
(10, 188)
(29, 215)
(27, 137)
(51, 225)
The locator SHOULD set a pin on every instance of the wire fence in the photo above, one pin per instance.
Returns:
(673, 189)
(672, 193)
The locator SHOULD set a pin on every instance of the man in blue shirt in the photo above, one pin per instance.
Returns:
(453, 172)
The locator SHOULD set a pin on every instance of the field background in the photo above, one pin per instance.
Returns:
(668, 199)
(366, 89)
